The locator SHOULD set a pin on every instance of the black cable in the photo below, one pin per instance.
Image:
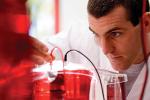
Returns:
(65, 59)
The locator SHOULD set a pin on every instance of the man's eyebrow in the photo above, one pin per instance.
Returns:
(107, 32)
(93, 31)
(113, 29)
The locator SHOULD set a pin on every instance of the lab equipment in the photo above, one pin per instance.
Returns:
(56, 83)
(59, 80)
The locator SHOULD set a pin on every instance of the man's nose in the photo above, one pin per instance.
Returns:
(107, 46)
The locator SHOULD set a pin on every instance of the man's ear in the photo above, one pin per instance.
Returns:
(146, 17)
(146, 22)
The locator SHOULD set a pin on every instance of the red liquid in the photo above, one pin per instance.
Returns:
(112, 92)
(65, 87)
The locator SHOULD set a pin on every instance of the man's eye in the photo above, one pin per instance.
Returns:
(115, 34)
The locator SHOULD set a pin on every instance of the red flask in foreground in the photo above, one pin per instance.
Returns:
(63, 84)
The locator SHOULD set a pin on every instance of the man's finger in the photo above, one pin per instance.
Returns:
(38, 59)
(38, 45)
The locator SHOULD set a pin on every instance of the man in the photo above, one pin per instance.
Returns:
(116, 27)
(118, 33)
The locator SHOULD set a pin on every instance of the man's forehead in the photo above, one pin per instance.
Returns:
(114, 19)
(106, 25)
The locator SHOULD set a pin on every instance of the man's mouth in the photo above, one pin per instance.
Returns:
(115, 58)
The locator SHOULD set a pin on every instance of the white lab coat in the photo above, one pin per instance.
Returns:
(135, 92)
(79, 37)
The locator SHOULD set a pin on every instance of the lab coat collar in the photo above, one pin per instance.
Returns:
(135, 92)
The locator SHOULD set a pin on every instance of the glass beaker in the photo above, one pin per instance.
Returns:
(57, 83)
(113, 85)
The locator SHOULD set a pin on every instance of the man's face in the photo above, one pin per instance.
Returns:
(118, 38)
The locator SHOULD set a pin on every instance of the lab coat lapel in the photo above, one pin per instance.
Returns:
(135, 92)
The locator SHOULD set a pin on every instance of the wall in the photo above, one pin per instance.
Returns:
(72, 10)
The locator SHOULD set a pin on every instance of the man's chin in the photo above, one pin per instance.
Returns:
(119, 67)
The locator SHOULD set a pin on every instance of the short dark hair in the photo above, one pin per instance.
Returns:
(99, 8)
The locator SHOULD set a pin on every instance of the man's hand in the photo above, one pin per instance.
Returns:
(39, 52)
(20, 47)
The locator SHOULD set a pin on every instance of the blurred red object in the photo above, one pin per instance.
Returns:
(14, 26)
(13, 16)
(16, 82)
(16, 77)
(13, 6)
